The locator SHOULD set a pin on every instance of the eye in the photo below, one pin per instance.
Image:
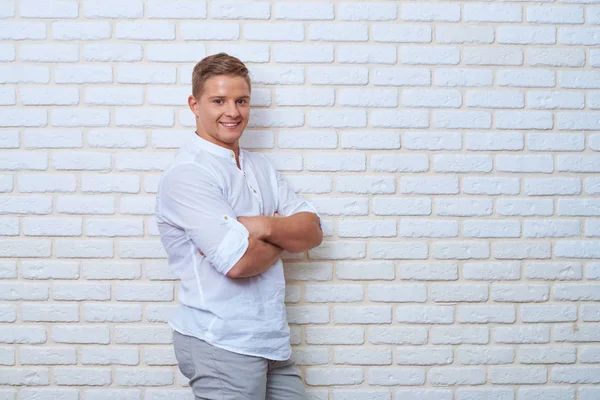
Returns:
(242, 101)
(218, 101)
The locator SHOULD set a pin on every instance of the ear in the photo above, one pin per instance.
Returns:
(193, 104)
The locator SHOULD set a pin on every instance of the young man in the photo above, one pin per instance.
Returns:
(224, 216)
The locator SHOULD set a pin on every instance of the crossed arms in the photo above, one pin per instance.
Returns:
(269, 236)
(238, 247)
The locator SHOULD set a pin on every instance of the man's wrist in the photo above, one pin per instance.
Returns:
(268, 228)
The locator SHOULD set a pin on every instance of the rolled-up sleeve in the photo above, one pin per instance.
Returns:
(191, 200)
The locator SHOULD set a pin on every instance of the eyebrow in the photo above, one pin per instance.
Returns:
(222, 97)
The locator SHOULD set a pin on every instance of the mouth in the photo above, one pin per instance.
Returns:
(231, 125)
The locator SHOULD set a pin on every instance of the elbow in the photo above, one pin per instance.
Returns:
(237, 271)
(233, 273)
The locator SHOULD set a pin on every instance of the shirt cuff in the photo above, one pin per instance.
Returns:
(232, 247)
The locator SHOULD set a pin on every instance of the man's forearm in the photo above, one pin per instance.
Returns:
(296, 233)
(259, 257)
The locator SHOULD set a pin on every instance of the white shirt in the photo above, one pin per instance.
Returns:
(200, 195)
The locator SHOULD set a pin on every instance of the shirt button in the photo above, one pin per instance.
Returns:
(225, 217)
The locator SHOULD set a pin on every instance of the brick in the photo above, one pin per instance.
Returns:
(338, 75)
(25, 248)
(554, 271)
(493, 13)
(380, 184)
(432, 98)
(445, 250)
(396, 376)
(548, 313)
(302, 53)
(409, 355)
(292, 118)
(400, 119)
(399, 206)
(401, 77)
(364, 271)
(182, 9)
(459, 293)
(419, 228)
(112, 356)
(50, 9)
(23, 31)
(495, 99)
(483, 394)
(370, 140)
(520, 293)
(547, 355)
(9, 140)
(148, 31)
(522, 334)
(496, 56)
(400, 163)
(183, 52)
(364, 356)
(463, 207)
(463, 77)
(526, 78)
(555, 57)
(363, 228)
(526, 35)
(24, 74)
(401, 251)
(17, 117)
(460, 335)
(423, 314)
(405, 33)
(397, 293)
(333, 293)
(353, 54)
(254, 53)
(462, 163)
(434, 185)
(113, 9)
(377, 11)
(555, 15)
(240, 10)
(367, 97)
(518, 375)
(24, 376)
(464, 34)
(416, 11)
(430, 55)
(47, 356)
(479, 355)
(462, 119)
(304, 11)
(579, 36)
(8, 313)
(334, 335)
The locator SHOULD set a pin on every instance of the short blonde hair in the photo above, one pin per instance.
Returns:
(217, 64)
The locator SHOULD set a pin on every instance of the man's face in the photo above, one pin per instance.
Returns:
(222, 110)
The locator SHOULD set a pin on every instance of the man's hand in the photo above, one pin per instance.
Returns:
(258, 226)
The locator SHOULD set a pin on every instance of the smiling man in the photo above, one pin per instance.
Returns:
(224, 216)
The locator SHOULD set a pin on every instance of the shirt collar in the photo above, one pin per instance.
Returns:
(215, 149)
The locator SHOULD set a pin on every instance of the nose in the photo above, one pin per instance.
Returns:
(232, 110)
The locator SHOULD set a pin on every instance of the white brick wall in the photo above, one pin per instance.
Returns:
(450, 148)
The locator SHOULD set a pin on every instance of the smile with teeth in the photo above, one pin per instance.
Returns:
(230, 124)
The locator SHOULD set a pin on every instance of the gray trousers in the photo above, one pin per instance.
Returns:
(215, 373)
